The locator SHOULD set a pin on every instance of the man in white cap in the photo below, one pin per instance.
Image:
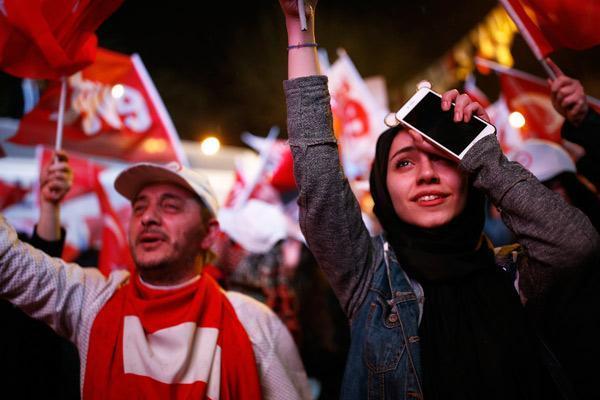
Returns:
(167, 331)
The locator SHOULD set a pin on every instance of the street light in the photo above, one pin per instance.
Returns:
(117, 91)
(516, 120)
(210, 146)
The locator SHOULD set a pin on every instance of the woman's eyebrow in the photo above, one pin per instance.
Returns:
(403, 150)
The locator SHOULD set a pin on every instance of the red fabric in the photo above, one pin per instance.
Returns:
(114, 253)
(282, 177)
(133, 127)
(47, 39)
(11, 194)
(201, 302)
(531, 97)
(567, 23)
(84, 172)
(548, 25)
(529, 29)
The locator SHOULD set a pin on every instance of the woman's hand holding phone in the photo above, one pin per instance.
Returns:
(464, 107)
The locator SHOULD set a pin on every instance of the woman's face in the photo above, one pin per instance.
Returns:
(426, 188)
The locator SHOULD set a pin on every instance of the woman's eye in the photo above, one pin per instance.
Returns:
(402, 164)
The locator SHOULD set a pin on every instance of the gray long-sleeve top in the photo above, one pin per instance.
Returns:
(555, 236)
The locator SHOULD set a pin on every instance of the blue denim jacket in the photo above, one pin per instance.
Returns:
(384, 358)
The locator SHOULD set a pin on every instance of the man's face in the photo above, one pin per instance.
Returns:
(166, 230)
(427, 189)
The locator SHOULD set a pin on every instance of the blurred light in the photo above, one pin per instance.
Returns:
(154, 145)
(210, 146)
(516, 119)
(117, 91)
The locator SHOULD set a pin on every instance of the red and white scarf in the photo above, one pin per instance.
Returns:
(183, 343)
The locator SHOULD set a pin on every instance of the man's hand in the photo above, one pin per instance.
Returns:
(568, 96)
(56, 179)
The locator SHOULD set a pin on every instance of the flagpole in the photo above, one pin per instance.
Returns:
(535, 41)
(61, 113)
(302, 14)
(546, 66)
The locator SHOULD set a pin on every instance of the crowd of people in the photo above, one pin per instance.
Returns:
(431, 308)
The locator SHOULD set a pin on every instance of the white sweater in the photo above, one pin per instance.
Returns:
(68, 298)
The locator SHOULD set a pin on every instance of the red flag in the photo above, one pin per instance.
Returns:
(47, 39)
(113, 110)
(529, 95)
(548, 25)
(114, 253)
(11, 194)
(84, 171)
(529, 29)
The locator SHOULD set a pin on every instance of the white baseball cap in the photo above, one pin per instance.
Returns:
(133, 179)
(542, 158)
(256, 225)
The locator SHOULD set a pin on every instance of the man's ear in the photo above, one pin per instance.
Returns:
(212, 231)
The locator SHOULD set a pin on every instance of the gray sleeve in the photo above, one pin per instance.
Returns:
(63, 295)
(330, 216)
(556, 236)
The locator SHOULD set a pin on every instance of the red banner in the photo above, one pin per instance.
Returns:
(548, 25)
(47, 39)
(567, 23)
(113, 110)
(531, 97)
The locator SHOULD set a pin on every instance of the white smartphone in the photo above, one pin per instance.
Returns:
(423, 113)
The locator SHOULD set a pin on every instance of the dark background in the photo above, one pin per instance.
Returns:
(219, 66)
(220, 70)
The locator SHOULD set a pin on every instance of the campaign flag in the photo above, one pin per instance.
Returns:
(548, 25)
(48, 39)
(113, 110)
(357, 117)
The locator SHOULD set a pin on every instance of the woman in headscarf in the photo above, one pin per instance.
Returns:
(433, 310)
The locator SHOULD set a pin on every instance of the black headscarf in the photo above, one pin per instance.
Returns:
(475, 340)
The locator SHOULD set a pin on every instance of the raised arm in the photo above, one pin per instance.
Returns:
(556, 236)
(582, 122)
(302, 53)
(55, 182)
(330, 217)
(65, 296)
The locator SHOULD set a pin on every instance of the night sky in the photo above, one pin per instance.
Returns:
(220, 70)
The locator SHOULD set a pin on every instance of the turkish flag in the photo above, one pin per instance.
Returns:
(530, 96)
(548, 25)
(113, 110)
(48, 39)
(114, 253)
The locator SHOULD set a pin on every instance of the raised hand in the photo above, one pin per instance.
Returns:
(464, 107)
(56, 179)
(568, 96)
